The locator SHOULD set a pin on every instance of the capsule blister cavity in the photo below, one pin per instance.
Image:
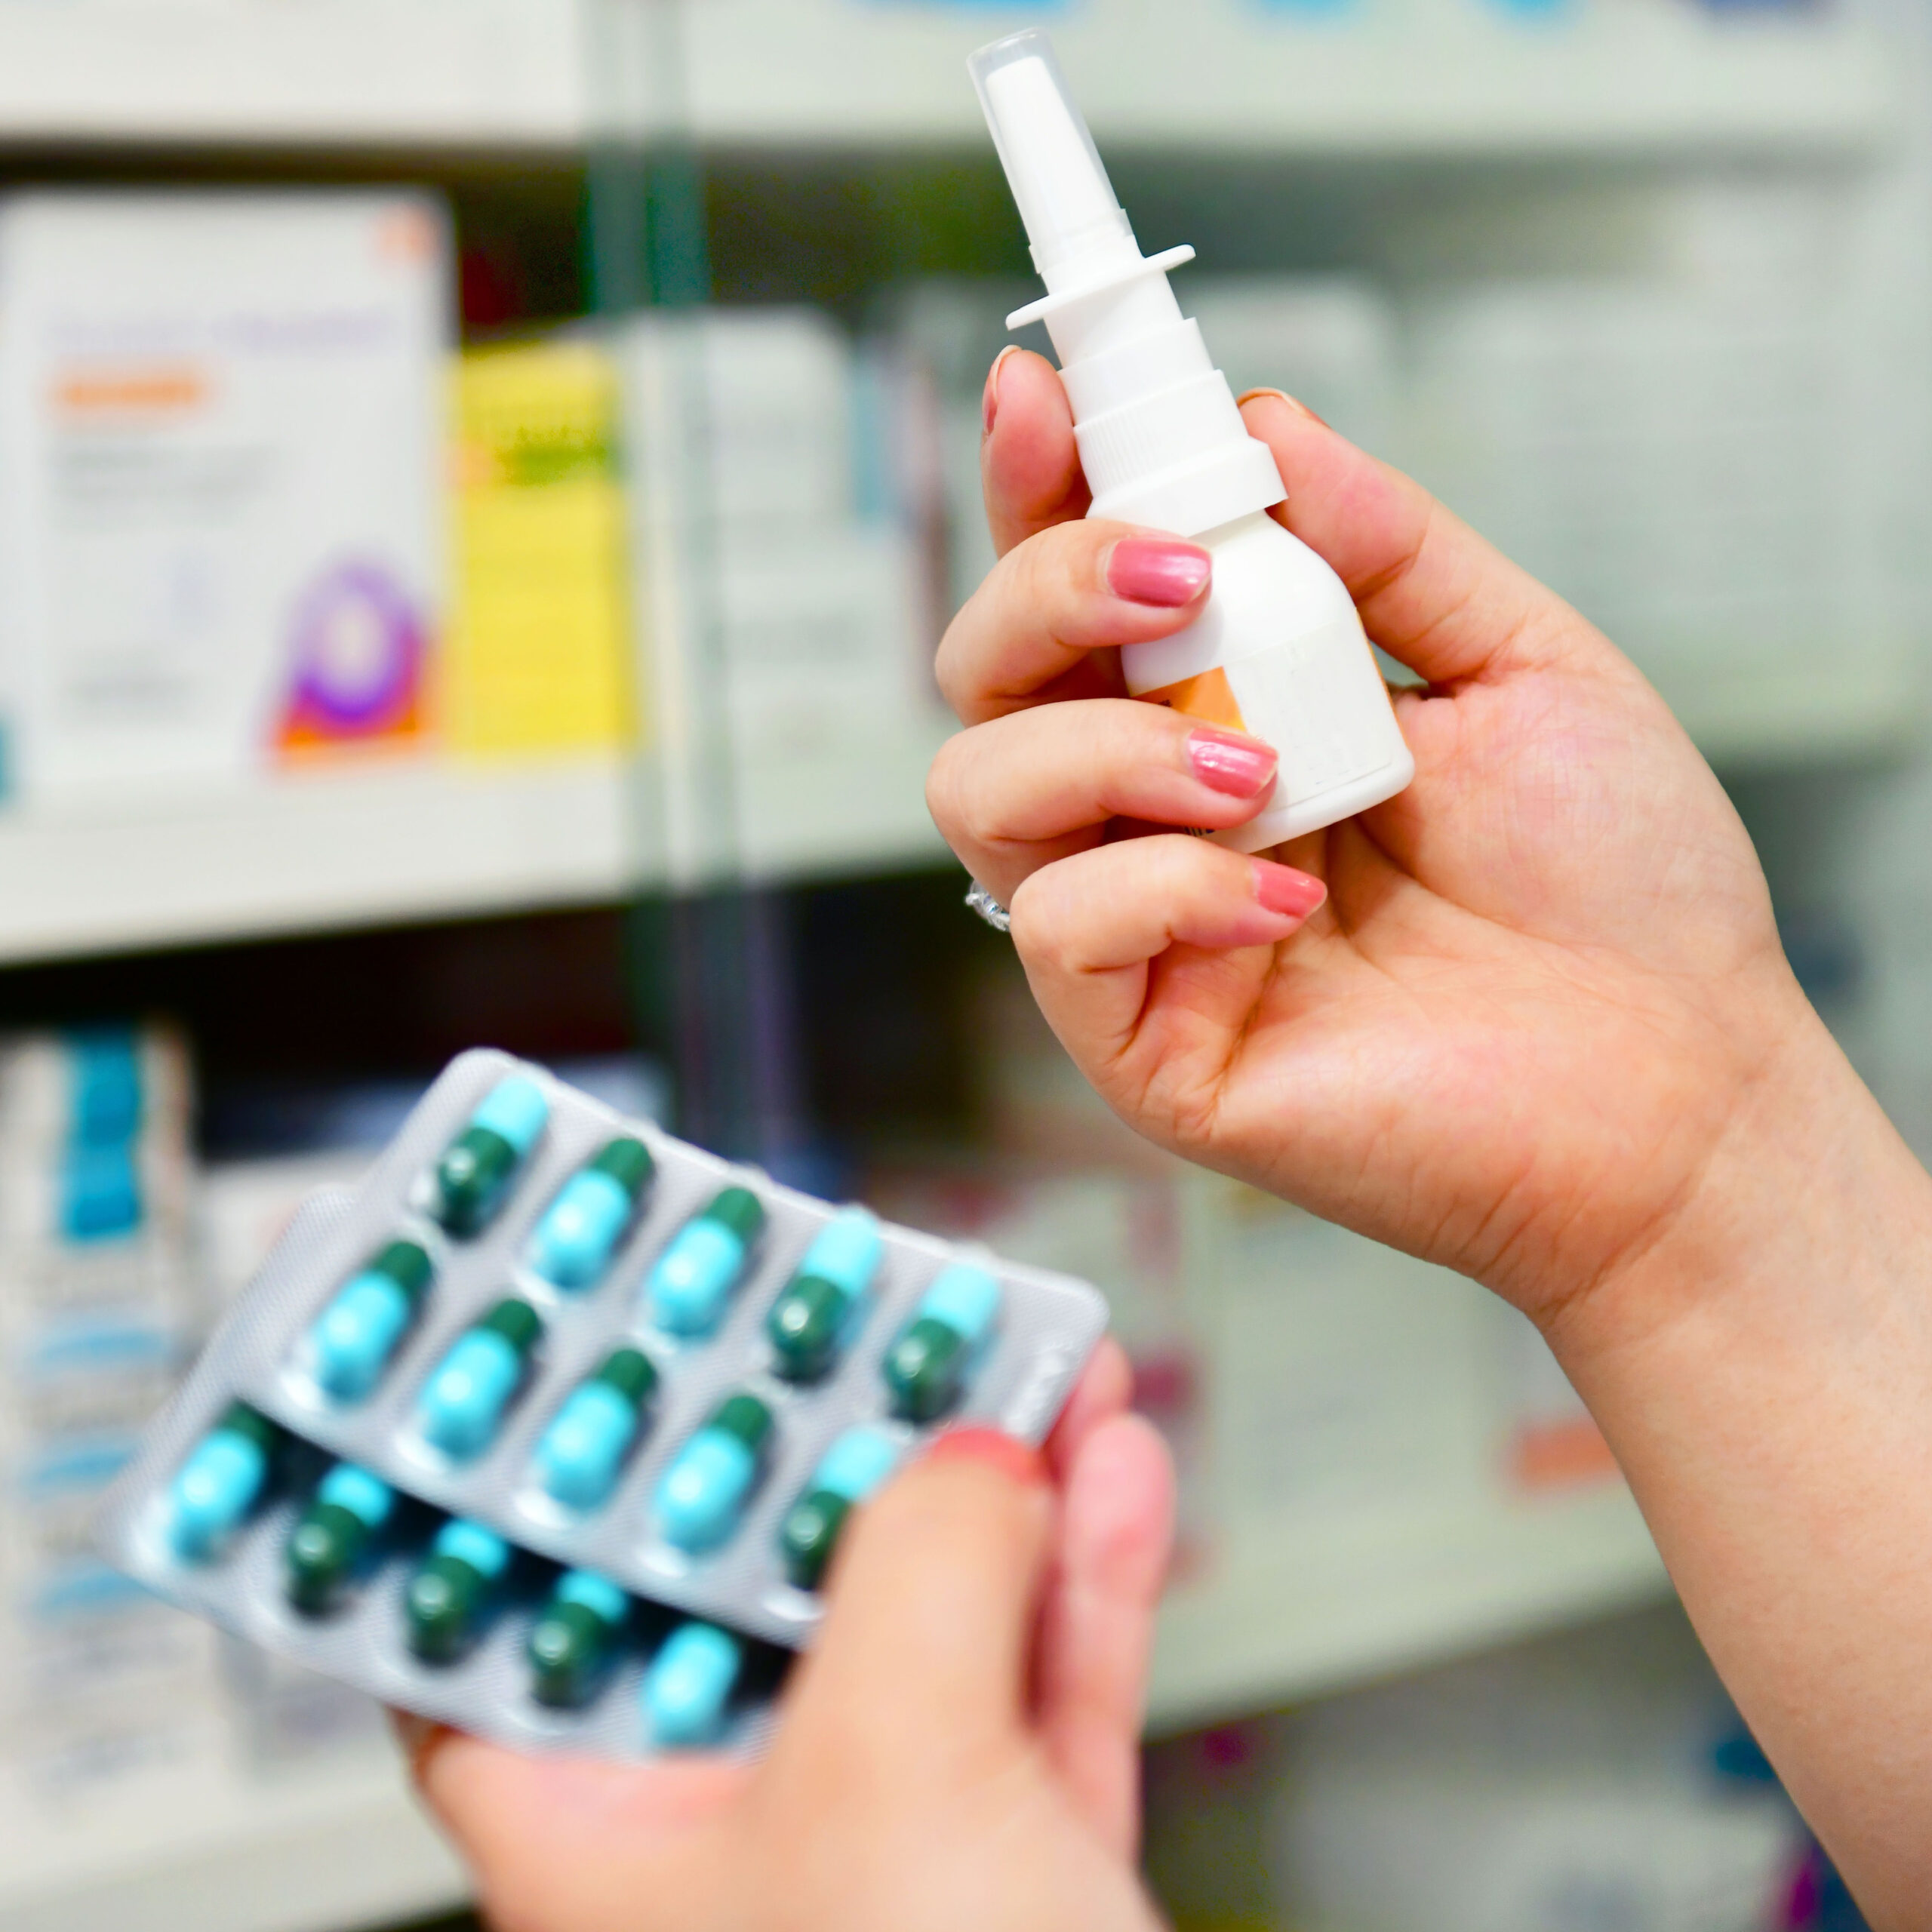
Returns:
(690, 1285)
(333, 1538)
(448, 1598)
(462, 1406)
(574, 1638)
(687, 1692)
(933, 1358)
(592, 1213)
(582, 1453)
(221, 1481)
(352, 1342)
(856, 1464)
(474, 1175)
(701, 1495)
(818, 1310)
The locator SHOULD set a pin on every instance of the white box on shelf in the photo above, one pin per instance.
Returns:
(509, 73)
(1679, 462)
(787, 651)
(219, 508)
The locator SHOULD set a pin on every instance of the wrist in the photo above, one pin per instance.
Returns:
(1806, 1188)
(1762, 1368)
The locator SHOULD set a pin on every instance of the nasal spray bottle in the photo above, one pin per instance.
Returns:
(1278, 651)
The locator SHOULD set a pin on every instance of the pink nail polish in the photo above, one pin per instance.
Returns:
(964, 1443)
(1229, 761)
(989, 407)
(1283, 890)
(1157, 570)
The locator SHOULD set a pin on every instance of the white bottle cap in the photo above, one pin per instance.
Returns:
(1160, 437)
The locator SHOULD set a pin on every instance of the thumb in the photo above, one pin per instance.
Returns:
(929, 1622)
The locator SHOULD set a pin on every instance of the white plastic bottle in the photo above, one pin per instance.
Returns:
(1278, 651)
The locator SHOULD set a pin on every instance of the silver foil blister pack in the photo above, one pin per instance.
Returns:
(1045, 1327)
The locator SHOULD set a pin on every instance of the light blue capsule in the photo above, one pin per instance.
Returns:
(966, 1299)
(215, 1488)
(578, 1459)
(688, 1291)
(483, 1550)
(856, 1464)
(366, 1497)
(846, 1251)
(573, 1241)
(689, 1685)
(353, 1338)
(463, 1401)
(700, 1495)
(515, 1108)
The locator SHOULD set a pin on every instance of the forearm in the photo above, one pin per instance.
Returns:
(1763, 1370)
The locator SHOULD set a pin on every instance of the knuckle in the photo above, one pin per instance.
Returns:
(943, 785)
(1038, 931)
(978, 810)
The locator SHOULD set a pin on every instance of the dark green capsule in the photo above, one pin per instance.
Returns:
(630, 1372)
(805, 1325)
(332, 1536)
(745, 1417)
(810, 1533)
(627, 1161)
(738, 1209)
(448, 1595)
(476, 1168)
(406, 1264)
(444, 1596)
(572, 1639)
(478, 1165)
(925, 1369)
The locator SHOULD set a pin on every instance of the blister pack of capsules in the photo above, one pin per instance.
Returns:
(549, 1430)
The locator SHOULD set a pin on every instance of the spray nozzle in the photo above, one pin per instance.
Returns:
(1051, 164)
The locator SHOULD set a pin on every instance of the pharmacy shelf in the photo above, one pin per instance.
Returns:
(381, 845)
(436, 73)
(1233, 77)
(310, 851)
(1215, 76)
(313, 1851)
(1285, 1613)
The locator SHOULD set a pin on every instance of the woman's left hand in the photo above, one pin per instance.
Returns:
(959, 1751)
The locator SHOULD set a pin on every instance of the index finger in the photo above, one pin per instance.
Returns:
(1029, 466)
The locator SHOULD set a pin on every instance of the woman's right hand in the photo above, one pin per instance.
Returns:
(1540, 1029)
(1544, 977)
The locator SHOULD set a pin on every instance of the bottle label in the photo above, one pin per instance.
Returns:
(1318, 699)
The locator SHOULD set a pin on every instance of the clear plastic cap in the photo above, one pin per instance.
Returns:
(1051, 164)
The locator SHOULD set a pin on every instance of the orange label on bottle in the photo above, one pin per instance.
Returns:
(1209, 697)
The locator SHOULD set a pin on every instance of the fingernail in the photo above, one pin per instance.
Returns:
(1283, 890)
(989, 406)
(1293, 402)
(1007, 1454)
(1152, 570)
(1229, 761)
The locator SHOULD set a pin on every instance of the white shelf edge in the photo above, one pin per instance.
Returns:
(1288, 1613)
(1631, 76)
(1462, 78)
(315, 851)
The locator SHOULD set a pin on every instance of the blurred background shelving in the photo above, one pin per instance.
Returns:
(673, 453)
(1634, 76)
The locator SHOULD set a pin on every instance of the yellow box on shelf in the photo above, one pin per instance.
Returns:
(538, 660)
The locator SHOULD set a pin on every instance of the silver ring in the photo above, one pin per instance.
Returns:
(981, 901)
